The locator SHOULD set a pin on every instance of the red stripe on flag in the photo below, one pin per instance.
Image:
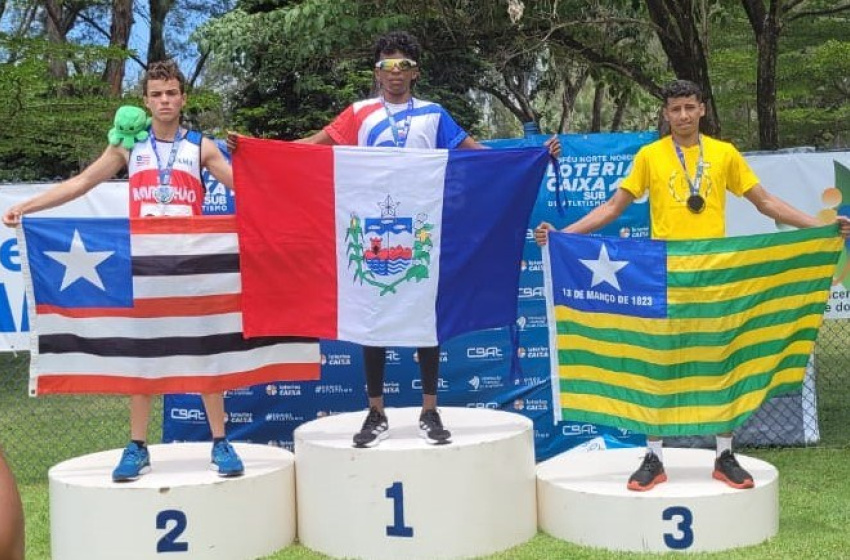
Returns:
(183, 225)
(113, 385)
(198, 306)
(287, 241)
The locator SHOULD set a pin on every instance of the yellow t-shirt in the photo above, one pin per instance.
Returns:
(657, 169)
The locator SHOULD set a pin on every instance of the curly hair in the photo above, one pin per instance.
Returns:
(398, 41)
(163, 70)
(680, 88)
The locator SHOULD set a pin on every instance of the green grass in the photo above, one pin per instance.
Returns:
(814, 497)
(814, 482)
(37, 433)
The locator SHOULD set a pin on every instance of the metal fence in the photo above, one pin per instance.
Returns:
(37, 433)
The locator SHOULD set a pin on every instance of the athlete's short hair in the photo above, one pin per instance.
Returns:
(680, 88)
(163, 70)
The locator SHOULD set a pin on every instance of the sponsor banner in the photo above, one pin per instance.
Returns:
(470, 376)
(504, 369)
(218, 198)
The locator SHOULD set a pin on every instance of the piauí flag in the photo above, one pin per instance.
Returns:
(144, 306)
(381, 246)
(674, 338)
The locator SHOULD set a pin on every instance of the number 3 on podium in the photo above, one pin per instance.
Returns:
(685, 526)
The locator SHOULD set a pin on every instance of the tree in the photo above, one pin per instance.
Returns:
(158, 12)
(60, 17)
(768, 18)
(61, 73)
(595, 39)
(51, 127)
(119, 36)
(298, 64)
(678, 26)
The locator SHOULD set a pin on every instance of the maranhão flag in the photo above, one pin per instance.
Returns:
(145, 306)
(681, 338)
(381, 246)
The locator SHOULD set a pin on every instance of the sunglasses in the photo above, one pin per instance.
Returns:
(389, 64)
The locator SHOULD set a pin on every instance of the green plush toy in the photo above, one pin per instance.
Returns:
(130, 126)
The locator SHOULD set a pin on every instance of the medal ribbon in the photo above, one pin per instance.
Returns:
(694, 184)
(165, 173)
(399, 132)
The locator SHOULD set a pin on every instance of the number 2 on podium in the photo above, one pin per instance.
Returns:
(397, 529)
(168, 542)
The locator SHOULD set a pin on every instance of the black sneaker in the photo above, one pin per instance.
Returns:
(431, 428)
(649, 474)
(374, 429)
(727, 469)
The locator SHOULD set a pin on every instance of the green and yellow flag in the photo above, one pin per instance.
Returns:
(674, 338)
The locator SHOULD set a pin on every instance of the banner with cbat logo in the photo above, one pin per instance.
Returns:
(506, 369)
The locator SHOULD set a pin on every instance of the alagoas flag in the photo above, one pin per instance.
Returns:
(143, 306)
(381, 246)
(675, 338)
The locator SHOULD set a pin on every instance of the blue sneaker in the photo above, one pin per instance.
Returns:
(135, 461)
(225, 460)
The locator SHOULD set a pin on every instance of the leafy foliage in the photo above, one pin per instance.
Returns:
(813, 93)
(288, 87)
(51, 127)
(285, 68)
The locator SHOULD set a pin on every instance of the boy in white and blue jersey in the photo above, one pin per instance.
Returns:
(367, 123)
(397, 119)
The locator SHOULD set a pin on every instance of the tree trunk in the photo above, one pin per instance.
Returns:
(572, 87)
(199, 66)
(678, 31)
(57, 27)
(766, 27)
(768, 47)
(518, 107)
(119, 36)
(598, 98)
(620, 105)
(156, 45)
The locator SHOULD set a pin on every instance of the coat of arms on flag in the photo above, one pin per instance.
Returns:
(676, 338)
(145, 305)
(387, 250)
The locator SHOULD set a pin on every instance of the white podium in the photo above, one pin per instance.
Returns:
(181, 509)
(408, 499)
(582, 498)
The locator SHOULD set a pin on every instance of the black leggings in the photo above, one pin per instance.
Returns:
(375, 358)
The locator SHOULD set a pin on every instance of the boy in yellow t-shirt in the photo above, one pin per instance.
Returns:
(657, 169)
(687, 175)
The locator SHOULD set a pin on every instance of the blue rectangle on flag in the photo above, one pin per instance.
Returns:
(487, 200)
(80, 262)
(609, 275)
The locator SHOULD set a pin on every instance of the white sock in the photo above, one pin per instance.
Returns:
(724, 444)
(655, 447)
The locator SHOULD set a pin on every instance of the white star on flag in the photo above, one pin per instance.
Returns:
(604, 269)
(79, 263)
